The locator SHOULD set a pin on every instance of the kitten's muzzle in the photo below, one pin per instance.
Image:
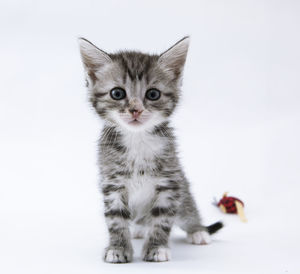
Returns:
(135, 113)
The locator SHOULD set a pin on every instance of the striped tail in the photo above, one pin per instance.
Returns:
(211, 229)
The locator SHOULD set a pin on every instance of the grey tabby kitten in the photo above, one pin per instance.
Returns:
(142, 180)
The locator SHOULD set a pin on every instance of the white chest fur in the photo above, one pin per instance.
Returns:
(142, 148)
(141, 190)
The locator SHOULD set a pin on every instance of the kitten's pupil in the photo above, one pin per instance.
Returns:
(153, 94)
(117, 93)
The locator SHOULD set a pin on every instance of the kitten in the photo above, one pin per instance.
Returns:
(142, 180)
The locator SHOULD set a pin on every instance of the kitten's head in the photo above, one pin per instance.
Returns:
(134, 90)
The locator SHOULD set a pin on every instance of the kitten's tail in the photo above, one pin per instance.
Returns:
(211, 229)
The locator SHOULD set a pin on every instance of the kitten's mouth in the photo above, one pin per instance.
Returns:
(135, 122)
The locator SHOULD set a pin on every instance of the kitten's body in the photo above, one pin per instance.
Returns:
(142, 180)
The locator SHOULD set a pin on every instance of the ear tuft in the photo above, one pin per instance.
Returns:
(174, 58)
(93, 58)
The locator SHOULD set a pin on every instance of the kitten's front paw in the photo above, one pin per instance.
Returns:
(118, 255)
(199, 238)
(157, 254)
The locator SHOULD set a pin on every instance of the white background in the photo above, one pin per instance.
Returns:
(238, 130)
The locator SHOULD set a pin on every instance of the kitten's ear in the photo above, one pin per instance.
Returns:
(93, 58)
(174, 58)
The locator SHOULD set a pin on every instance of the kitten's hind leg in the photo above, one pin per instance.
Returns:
(188, 219)
(138, 229)
(202, 237)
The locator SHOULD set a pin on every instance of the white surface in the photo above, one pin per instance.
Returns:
(238, 129)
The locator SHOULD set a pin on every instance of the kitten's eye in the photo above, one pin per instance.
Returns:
(153, 94)
(117, 94)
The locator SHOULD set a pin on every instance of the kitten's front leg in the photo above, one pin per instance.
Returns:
(162, 218)
(117, 216)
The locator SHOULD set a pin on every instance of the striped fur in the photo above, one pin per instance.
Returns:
(142, 180)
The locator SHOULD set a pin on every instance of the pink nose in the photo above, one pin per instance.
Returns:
(135, 113)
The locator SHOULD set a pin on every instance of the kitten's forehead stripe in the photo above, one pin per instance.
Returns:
(140, 75)
(135, 64)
